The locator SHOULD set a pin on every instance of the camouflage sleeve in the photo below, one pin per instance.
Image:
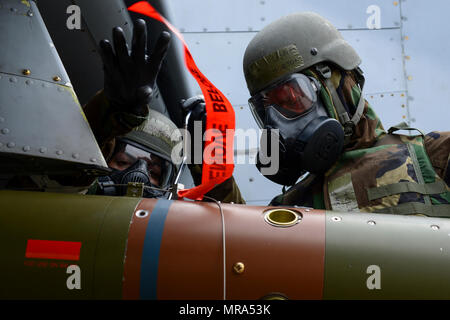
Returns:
(437, 145)
(227, 192)
(107, 123)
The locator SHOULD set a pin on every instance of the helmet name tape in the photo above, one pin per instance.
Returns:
(274, 65)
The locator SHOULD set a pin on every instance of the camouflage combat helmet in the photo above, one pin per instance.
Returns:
(158, 133)
(291, 44)
(159, 136)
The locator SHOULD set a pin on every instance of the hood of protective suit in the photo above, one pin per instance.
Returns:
(369, 129)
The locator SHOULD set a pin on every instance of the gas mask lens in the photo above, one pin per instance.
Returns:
(127, 155)
(292, 97)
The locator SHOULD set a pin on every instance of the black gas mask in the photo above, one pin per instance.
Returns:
(139, 165)
(308, 140)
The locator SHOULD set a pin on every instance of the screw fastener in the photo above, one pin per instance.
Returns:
(238, 268)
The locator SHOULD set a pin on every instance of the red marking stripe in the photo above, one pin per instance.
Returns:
(59, 250)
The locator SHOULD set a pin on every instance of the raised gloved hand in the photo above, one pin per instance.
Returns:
(130, 76)
(195, 106)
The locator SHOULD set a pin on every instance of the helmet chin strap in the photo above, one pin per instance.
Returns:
(344, 118)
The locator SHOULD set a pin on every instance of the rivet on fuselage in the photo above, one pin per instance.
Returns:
(141, 213)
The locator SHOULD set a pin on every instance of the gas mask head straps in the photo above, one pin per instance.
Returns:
(343, 116)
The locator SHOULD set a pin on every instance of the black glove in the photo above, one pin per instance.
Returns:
(196, 106)
(130, 77)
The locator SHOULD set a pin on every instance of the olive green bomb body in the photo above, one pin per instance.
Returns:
(98, 224)
(380, 256)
